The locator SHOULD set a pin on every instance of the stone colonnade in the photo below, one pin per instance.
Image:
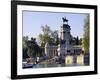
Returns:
(51, 51)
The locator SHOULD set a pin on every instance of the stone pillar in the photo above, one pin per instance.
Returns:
(47, 49)
(69, 60)
(59, 50)
(80, 59)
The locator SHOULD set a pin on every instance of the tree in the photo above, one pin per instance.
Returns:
(24, 44)
(30, 47)
(54, 34)
(47, 36)
(33, 49)
(46, 30)
(77, 40)
(43, 38)
(80, 41)
(86, 37)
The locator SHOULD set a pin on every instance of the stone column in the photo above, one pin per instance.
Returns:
(69, 60)
(80, 59)
(47, 49)
(59, 50)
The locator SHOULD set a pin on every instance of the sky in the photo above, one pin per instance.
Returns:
(32, 22)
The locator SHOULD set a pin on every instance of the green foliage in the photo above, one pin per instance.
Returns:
(86, 37)
(80, 41)
(46, 30)
(47, 35)
(44, 38)
(24, 42)
(77, 40)
(31, 48)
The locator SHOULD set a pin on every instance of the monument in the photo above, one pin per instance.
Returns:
(66, 42)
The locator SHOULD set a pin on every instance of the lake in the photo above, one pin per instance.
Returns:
(53, 65)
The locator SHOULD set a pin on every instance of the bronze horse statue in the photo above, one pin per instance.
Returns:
(64, 19)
